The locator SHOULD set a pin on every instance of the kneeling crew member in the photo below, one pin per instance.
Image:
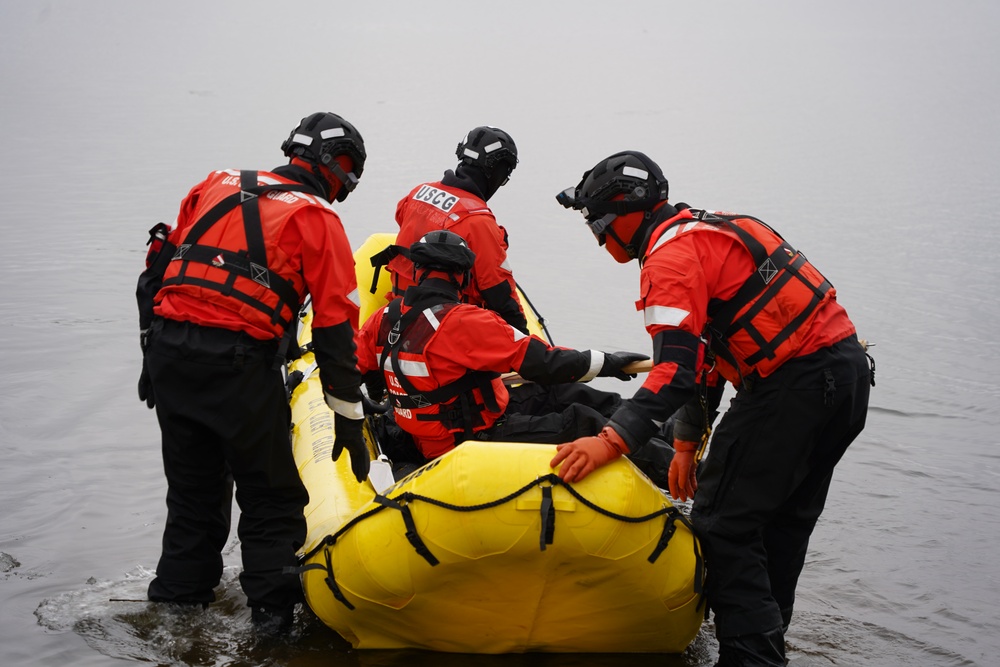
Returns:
(441, 361)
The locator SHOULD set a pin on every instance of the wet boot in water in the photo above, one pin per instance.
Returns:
(766, 649)
(270, 620)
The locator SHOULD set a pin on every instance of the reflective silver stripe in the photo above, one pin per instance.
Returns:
(635, 173)
(354, 297)
(664, 315)
(669, 234)
(680, 229)
(596, 364)
(414, 369)
(408, 368)
(345, 408)
(518, 334)
(429, 314)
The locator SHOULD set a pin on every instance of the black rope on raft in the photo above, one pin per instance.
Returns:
(402, 502)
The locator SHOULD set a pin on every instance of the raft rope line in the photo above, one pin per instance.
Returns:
(402, 503)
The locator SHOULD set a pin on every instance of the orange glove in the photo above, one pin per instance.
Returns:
(585, 455)
(681, 477)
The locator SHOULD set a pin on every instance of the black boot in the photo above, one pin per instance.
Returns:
(271, 620)
(766, 649)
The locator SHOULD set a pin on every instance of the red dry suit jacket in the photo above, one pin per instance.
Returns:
(305, 244)
(431, 206)
(690, 270)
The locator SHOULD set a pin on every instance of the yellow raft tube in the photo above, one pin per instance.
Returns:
(485, 550)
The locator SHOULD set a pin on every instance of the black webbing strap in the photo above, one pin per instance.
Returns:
(411, 527)
(669, 528)
(330, 581)
(239, 296)
(232, 201)
(481, 380)
(673, 515)
(382, 258)
(238, 264)
(252, 227)
(548, 511)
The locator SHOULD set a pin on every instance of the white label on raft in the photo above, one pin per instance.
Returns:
(380, 474)
(436, 198)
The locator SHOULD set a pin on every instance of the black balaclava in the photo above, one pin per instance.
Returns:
(474, 179)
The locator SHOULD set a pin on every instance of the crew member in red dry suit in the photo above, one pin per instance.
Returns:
(219, 306)
(726, 289)
(442, 361)
(487, 156)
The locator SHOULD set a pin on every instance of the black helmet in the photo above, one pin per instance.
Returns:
(487, 147)
(443, 251)
(320, 138)
(630, 173)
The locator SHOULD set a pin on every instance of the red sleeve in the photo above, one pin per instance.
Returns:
(477, 339)
(187, 209)
(328, 267)
(487, 239)
(367, 342)
(676, 285)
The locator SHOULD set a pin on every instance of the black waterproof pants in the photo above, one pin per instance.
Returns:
(553, 414)
(224, 417)
(764, 483)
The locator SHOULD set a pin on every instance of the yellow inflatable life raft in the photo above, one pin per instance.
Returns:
(485, 549)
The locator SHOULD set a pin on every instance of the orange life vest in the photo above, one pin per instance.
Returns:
(424, 408)
(225, 257)
(764, 323)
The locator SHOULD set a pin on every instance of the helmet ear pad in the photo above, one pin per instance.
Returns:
(626, 228)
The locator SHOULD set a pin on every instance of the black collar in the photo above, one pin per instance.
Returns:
(293, 172)
(430, 292)
(660, 215)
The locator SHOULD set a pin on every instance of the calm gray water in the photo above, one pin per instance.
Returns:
(865, 131)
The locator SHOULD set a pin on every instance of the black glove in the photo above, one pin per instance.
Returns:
(145, 386)
(615, 361)
(374, 385)
(370, 407)
(349, 435)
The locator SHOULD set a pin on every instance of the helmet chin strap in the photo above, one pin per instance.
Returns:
(630, 248)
